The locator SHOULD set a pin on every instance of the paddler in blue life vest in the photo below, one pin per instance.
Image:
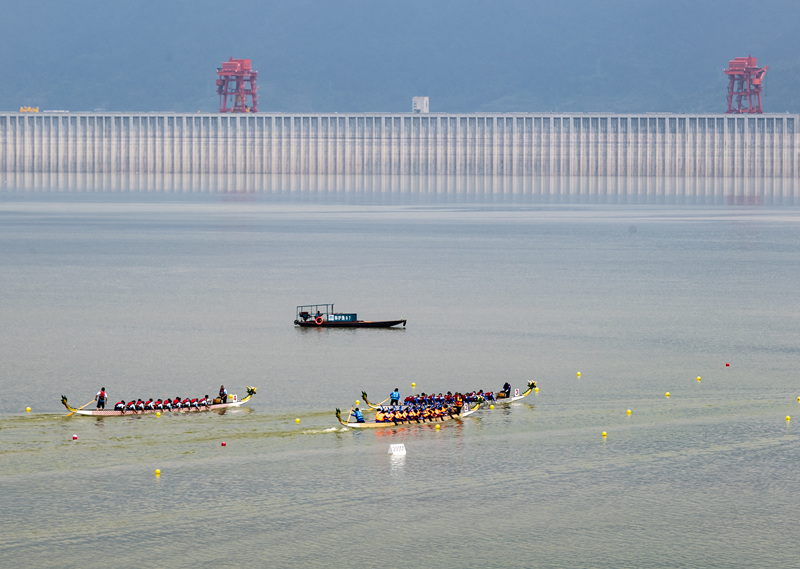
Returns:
(358, 415)
(395, 397)
(101, 398)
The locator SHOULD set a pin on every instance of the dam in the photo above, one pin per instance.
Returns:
(705, 148)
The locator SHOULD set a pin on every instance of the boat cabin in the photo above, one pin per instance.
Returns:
(310, 312)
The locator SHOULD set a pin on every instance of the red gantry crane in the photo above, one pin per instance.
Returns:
(237, 80)
(745, 85)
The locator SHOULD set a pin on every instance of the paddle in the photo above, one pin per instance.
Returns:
(81, 407)
(350, 415)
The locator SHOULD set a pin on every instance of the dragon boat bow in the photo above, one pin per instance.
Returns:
(517, 395)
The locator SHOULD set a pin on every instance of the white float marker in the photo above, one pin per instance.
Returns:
(397, 449)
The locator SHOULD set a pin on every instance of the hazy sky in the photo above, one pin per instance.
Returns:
(374, 55)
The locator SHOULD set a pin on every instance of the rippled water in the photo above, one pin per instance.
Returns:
(150, 297)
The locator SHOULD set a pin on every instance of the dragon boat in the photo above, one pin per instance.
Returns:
(233, 401)
(323, 316)
(415, 422)
(499, 395)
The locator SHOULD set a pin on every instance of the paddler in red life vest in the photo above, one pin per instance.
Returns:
(159, 404)
(120, 406)
(101, 398)
(131, 406)
(223, 394)
(149, 405)
(176, 403)
(140, 405)
(186, 403)
(194, 403)
(203, 401)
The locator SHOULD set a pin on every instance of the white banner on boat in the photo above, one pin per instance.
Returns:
(397, 449)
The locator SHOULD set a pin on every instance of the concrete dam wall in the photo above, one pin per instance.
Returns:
(403, 144)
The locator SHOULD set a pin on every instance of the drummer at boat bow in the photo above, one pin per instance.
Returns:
(101, 398)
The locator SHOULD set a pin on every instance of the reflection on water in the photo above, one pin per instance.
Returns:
(430, 189)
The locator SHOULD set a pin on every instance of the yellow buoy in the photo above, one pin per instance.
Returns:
(667, 394)
(158, 413)
(491, 406)
(629, 411)
(437, 427)
(413, 385)
(357, 403)
(536, 390)
(797, 399)
(158, 472)
(28, 409)
(788, 418)
(297, 420)
(605, 434)
(698, 378)
(579, 374)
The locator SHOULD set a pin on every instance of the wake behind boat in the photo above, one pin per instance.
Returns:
(323, 316)
(233, 401)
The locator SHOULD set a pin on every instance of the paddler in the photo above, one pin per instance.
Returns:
(120, 406)
(380, 416)
(358, 415)
(101, 398)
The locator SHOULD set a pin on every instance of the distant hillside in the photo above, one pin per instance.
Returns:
(359, 55)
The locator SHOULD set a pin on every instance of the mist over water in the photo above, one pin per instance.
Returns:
(154, 295)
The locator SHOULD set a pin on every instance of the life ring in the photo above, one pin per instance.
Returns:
(318, 320)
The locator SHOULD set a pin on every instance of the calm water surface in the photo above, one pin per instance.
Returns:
(155, 298)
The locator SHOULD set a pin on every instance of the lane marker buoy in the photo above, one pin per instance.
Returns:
(75, 437)
(437, 427)
(629, 411)
(491, 406)
(579, 374)
(666, 394)
(28, 409)
(605, 434)
(223, 443)
(297, 420)
(158, 473)
(698, 378)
